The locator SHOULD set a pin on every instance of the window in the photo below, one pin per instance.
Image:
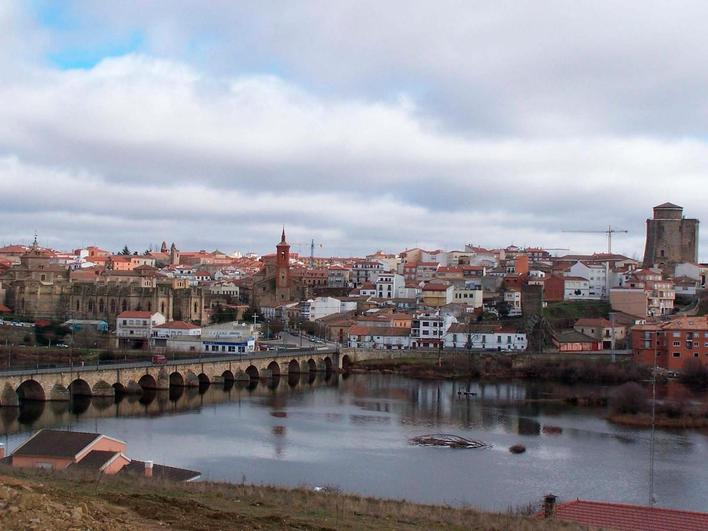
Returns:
(676, 354)
(498, 339)
(677, 343)
(125, 322)
(677, 334)
(695, 354)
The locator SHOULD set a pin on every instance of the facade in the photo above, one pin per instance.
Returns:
(428, 329)
(389, 285)
(596, 275)
(632, 301)
(601, 330)
(576, 289)
(485, 337)
(320, 307)
(379, 337)
(365, 271)
(672, 342)
(437, 294)
(671, 238)
(512, 297)
(135, 329)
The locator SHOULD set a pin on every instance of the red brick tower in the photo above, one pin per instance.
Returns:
(282, 273)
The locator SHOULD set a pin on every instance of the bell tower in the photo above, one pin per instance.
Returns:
(282, 270)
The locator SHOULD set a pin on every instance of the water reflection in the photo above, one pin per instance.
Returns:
(353, 432)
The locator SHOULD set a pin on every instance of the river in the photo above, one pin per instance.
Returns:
(352, 433)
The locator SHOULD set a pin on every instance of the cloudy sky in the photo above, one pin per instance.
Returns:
(361, 124)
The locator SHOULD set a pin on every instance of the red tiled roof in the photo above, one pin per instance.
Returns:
(359, 330)
(4, 309)
(587, 321)
(178, 325)
(630, 517)
(135, 315)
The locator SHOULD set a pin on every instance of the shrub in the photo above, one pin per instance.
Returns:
(694, 374)
(630, 398)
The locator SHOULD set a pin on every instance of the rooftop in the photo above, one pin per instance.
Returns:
(56, 443)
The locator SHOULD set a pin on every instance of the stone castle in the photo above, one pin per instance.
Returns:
(671, 239)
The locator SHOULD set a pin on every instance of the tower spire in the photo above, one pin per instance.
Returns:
(282, 237)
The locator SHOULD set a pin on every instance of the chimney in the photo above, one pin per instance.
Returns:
(148, 469)
(2, 451)
(549, 506)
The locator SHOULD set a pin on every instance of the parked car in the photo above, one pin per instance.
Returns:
(158, 359)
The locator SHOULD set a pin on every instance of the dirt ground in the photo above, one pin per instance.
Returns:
(62, 501)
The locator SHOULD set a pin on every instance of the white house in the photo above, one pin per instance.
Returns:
(225, 288)
(576, 288)
(468, 295)
(389, 285)
(175, 328)
(137, 326)
(379, 337)
(512, 297)
(320, 307)
(428, 329)
(485, 337)
(595, 274)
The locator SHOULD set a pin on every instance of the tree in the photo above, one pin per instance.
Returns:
(125, 251)
(250, 313)
(503, 308)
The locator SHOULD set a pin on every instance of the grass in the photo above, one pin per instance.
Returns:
(106, 502)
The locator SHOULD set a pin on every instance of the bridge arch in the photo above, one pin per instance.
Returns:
(312, 365)
(102, 388)
(58, 392)
(191, 380)
(176, 379)
(203, 379)
(346, 362)
(252, 372)
(228, 376)
(147, 382)
(30, 390)
(327, 363)
(79, 387)
(273, 369)
(119, 388)
(293, 366)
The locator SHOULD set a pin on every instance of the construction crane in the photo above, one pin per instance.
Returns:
(610, 231)
(312, 245)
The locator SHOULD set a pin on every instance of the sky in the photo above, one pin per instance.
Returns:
(363, 125)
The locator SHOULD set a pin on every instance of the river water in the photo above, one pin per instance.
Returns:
(352, 433)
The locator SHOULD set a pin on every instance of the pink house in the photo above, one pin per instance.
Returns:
(93, 452)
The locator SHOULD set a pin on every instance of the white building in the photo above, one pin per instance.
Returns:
(319, 307)
(379, 337)
(175, 328)
(364, 271)
(512, 297)
(485, 337)
(137, 326)
(576, 289)
(389, 285)
(595, 274)
(428, 329)
(468, 295)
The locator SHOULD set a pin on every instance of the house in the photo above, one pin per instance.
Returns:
(388, 285)
(489, 337)
(134, 328)
(596, 275)
(320, 307)
(379, 337)
(428, 329)
(576, 289)
(91, 452)
(512, 297)
(161, 333)
(624, 517)
(602, 330)
(437, 293)
(573, 341)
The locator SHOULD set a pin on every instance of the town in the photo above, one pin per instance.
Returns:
(504, 300)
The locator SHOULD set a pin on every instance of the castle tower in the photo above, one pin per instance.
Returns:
(163, 248)
(671, 239)
(282, 270)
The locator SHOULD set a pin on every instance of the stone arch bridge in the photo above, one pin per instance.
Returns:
(132, 378)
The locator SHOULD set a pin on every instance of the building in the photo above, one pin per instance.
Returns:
(576, 289)
(365, 271)
(673, 342)
(87, 452)
(671, 238)
(135, 329)
(512, 298)
(573, 341)
(320, 307)
(428, 329)
(379, 337)
(596, 275)
(437, 294)
(601, 330)
(487, 337)
(389, 285)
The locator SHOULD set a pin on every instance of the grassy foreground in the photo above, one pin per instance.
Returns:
(36, 500)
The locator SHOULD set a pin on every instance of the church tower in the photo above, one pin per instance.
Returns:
(282, 271)
(174, 254)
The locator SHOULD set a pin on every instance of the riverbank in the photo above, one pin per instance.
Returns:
(644, 420)
(36, 500)
(460, 366)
